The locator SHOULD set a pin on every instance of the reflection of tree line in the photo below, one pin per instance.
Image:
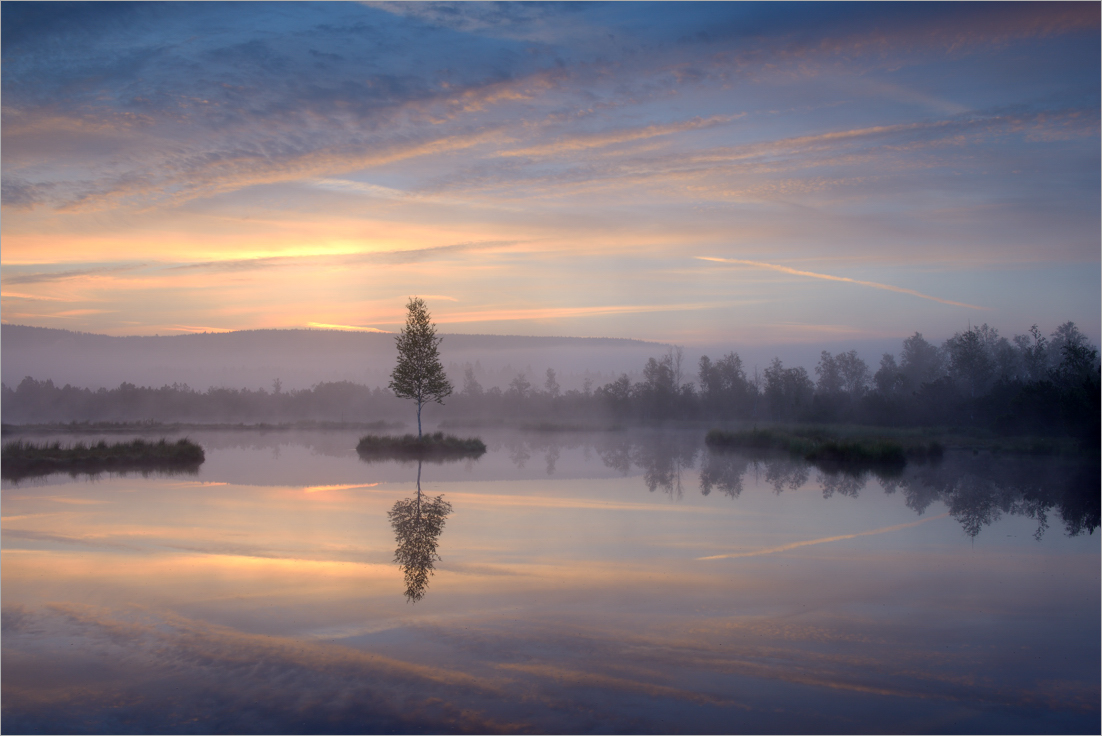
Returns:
(976, 489)
(418, 523)
(979, 489)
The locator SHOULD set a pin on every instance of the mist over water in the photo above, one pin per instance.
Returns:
(605, 566)
(660, 447)
(624, 581)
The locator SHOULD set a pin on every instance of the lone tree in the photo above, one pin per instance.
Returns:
(419, 374)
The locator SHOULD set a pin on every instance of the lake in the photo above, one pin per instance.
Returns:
(604, 582)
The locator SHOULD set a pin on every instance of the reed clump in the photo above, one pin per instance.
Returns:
(21, 459)
(433, 445)
(823, 449)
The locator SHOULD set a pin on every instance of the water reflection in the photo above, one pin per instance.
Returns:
(418, 523)
(723, 471)
(976, 490)
(662, 458)
(264, 595)
(19, 478)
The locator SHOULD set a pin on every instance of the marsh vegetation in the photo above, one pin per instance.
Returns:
(435, 445)
(822, 447)
(25, 459)
(1030, 394)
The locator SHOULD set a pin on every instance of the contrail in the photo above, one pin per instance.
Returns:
(794, 545)
(828, 277)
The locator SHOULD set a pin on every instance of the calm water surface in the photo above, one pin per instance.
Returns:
(612, 582)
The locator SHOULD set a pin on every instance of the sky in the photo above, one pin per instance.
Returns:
(741, 173)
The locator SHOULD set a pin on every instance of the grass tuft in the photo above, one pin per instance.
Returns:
(823, 449)
(429, 446)
(22, 459)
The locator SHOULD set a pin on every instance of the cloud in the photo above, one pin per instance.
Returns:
(827, 277)
(356, 187)
(46, 277)
(345, 328)
(393, 257)
(195, 329)
(505, 314)
(33, 297)
(586, 142)
(18, 194)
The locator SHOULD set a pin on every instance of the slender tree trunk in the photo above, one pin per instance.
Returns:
(419, 405)
(418, 488)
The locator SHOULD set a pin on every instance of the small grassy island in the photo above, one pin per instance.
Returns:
(438, 445)
(24, 459)
(822, 448)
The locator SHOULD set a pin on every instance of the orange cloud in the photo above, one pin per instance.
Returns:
(345, 328)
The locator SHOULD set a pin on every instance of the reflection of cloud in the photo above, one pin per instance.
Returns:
(824, 540)
(318, 489)
(812, 274)
(557, 502)
(150, 661)
(197, 484)
(578, 678)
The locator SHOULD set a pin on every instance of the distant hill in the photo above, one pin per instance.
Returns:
(299, 358)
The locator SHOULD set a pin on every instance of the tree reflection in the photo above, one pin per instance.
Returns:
(844, 484)
(977, 490)
(723, 470)
(417, 524)
(662, 458)
(786, 472)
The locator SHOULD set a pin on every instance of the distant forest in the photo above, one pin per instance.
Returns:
(1030, 384)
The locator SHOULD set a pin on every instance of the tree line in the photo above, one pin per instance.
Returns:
(1031, 383)
(43, 401)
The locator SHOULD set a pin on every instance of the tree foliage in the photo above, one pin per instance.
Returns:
(419, 375)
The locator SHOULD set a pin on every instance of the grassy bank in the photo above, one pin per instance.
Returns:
(823, 448)
(24, 459)
(438, 445)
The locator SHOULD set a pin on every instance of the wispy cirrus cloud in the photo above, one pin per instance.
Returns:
(600, 140)
(506, 314)
(842, 279)
(345, 328)
(69, 274)
(392, 257)
(243, 145)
